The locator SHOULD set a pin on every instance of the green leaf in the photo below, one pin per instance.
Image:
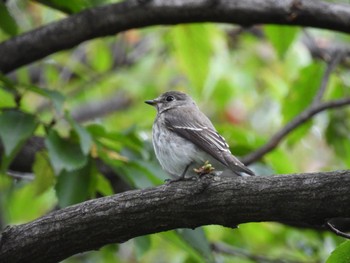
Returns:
(337, 134)
(68, 7)
(279, 160)
(72, 6)
(25, 204)
(143, 244)
(100, 56)
(196, 238)
(65, 154)
(76, 186)
(15, 128)
(7, 99)
(175, 238)
(297, 134)
(281, 37)
(97, 130)
(7, 22)
(336, 88)
(300, 97)
(56, 97)
(137, 175)
(111, 140)
(341, 254)
(303, 91)
(153, 171)
(193, 51)
(7, 83)
(85, 138)
(44, 175)
(103, 186)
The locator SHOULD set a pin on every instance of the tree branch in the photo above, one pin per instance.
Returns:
(115, 18)
(97, 109)
(292, 125)
(338, 224)
(320, 49)
(223, 200)
(332, 64)
(315, 107)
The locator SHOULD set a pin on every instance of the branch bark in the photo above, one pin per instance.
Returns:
(115, 18)
(308, 199)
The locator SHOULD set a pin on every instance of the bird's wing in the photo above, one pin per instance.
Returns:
(199, 130)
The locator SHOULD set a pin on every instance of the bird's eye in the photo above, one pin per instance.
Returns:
(169, 98)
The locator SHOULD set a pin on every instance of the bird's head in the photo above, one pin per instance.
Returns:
(171, 99)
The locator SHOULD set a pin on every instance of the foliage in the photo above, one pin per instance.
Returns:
(249, 85)
(341, 254)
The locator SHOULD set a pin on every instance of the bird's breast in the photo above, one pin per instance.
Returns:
(173, 152)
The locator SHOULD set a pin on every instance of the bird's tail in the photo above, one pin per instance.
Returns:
(237, 166)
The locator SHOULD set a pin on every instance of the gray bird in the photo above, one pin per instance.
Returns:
(183, 138)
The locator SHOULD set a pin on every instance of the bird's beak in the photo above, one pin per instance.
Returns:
(152, 102)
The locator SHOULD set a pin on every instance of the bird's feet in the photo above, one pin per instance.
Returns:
(207, 168)
(179, 179)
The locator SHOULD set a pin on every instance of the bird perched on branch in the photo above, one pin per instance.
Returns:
(185, 141)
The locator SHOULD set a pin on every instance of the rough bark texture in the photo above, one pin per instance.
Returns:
(308, 199)
(114, 18)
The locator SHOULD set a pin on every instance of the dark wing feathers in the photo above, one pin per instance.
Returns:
(199, 130)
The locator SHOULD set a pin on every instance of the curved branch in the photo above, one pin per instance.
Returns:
(224, 200)
(114, 18)
(336, 230)
(332, 64)
(292, 125)
(316, 107)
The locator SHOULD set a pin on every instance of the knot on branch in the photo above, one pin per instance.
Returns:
(295, 8)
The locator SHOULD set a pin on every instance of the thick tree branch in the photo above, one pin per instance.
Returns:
(226, 200)
(114, 18)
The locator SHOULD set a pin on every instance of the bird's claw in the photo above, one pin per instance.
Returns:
(207, 168)
(179, 179)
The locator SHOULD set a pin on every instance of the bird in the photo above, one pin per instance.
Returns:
(183, 137)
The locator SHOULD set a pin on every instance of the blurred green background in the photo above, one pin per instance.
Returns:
(86, 105)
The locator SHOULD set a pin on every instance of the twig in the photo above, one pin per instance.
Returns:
(324, 50)
(334, 61)
(97, 109)
(336, 230)
(316, 107)
(21, 176)
(292, 125)
(233, 251)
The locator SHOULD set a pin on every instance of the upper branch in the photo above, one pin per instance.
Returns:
(114, 18)
(307, 199)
